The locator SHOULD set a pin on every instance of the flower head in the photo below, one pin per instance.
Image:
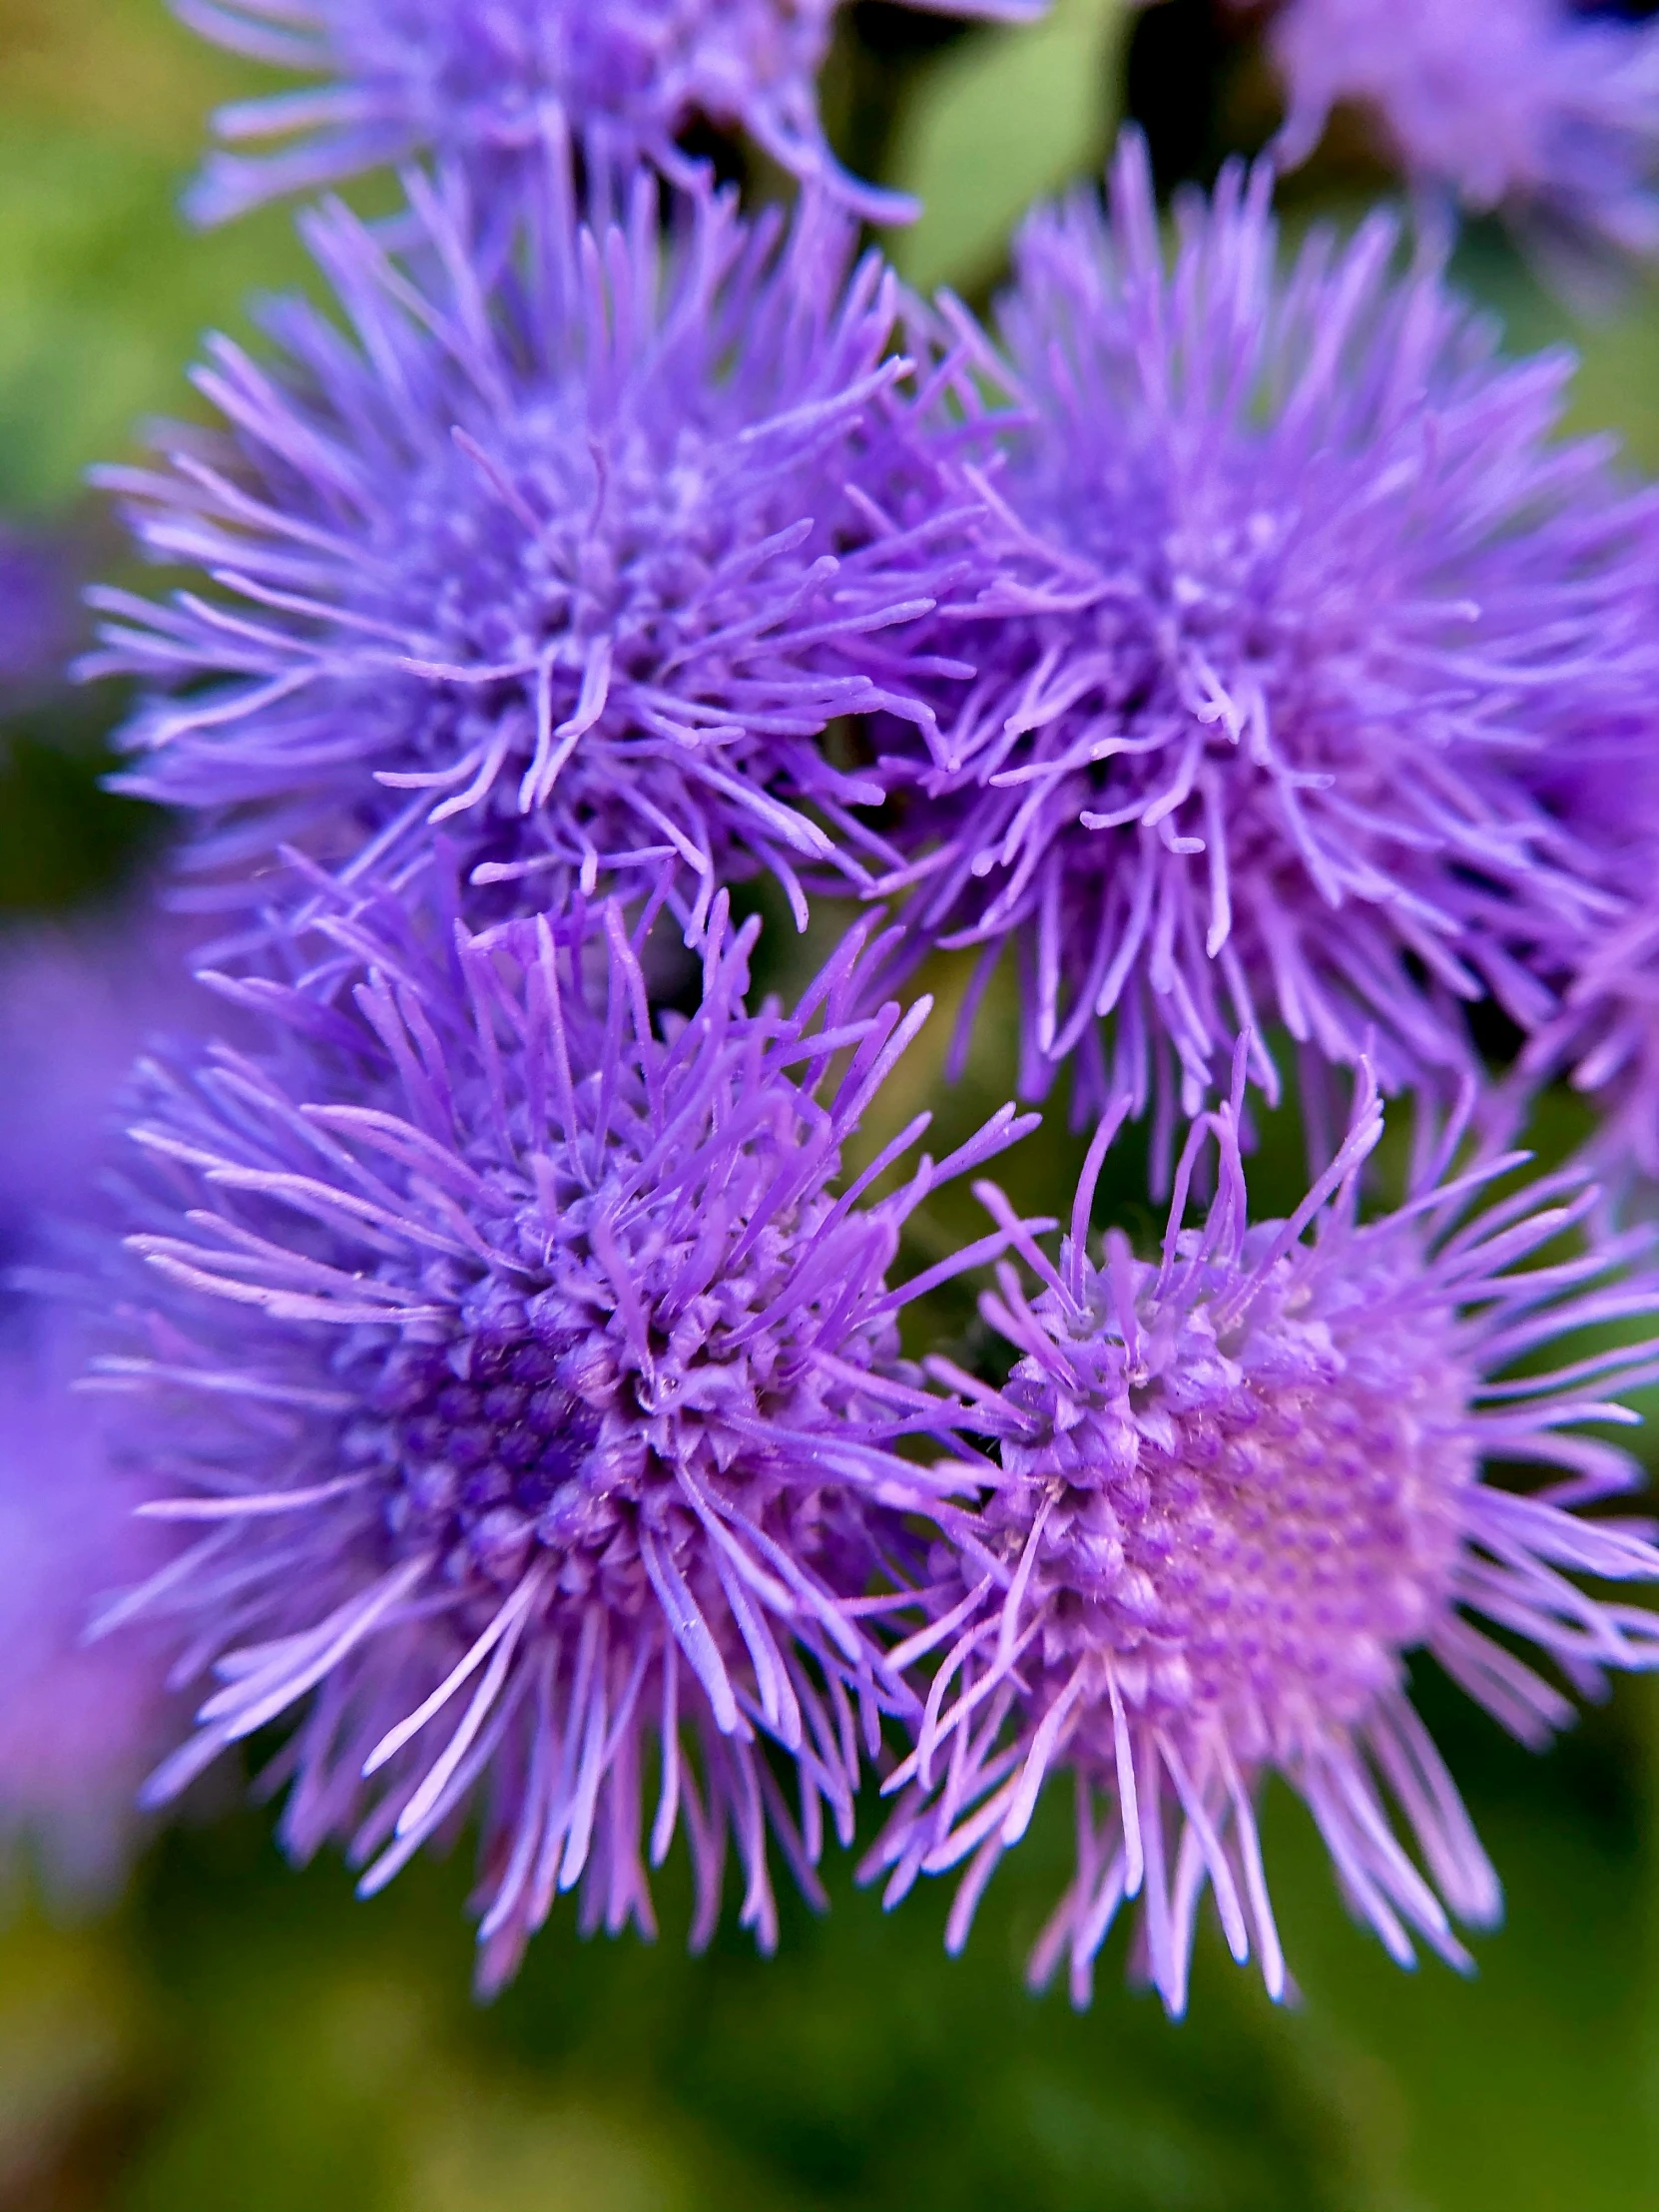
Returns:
(537, 1408)
(1329, 584)
(556, 547)
(1242, 1483)
(1538, 108)
(404, 76)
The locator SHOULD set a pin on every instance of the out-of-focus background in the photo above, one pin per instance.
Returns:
(235, 2036)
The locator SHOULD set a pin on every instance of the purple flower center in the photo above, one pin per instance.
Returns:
(1256, 1533)
(485, 1455)
(578, 604)
(581, 535)
(546, 1424)
(1232, 651)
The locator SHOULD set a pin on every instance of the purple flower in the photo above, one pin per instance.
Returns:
(1239, 1485)
(35, 614)
(537, 1408)
(558, 547)
(1538, 108)
(410, 76)
(1607, 1035)
(77, 1004)
(78, 1726)
(1328, 585)
(1605, 1030)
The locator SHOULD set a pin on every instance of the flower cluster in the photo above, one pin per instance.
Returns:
(404, 76)
(506, 1336)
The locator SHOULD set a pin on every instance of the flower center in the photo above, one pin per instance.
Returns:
(1264, 1546)
(486, 1458)
(563, 536)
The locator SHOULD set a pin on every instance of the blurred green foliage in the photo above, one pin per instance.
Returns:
(103, 293)
(1044, 96)
(245, 2036)
(241, 2038)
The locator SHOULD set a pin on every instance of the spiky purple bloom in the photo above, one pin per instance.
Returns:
(1543, 110)
(404, 76)
(573, 545)
(1240, 1484)
(1330, 583)
(538, 1409)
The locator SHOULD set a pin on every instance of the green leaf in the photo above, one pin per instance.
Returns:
(1000, 121)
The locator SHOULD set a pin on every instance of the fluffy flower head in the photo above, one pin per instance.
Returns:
(404, 76)
(554, 547)
(1239, 1485)
(536, 1402)
(1322, 583)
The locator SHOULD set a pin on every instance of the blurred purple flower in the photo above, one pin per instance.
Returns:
(410, 76)
(78, 1002)
(534, 1402)
(1607, 1036)
(78, 1726)
(1329, 586)
(558, 549)
(35, 604)
(1239, 1485)
(1602, 1033)
(1543, 110)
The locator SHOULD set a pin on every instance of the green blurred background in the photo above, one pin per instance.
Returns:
(237, 2036)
